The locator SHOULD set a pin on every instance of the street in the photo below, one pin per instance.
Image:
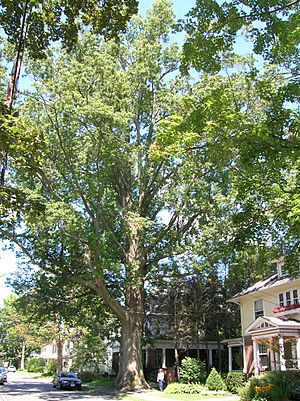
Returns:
(21, 387)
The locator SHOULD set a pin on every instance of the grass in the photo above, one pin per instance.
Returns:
(102, 382)
(177, 397)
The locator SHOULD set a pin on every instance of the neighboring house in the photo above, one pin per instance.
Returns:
(164, 354)
(270, 317)
(49, 352)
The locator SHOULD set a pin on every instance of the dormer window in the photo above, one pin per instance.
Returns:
(281, 300)
(288, 298)
(295, 297)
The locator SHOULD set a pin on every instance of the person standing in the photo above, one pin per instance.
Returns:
(160, 379)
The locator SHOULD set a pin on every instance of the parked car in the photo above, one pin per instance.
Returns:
(67, 380)
(11, 368)
(2, 379)
(3, 372)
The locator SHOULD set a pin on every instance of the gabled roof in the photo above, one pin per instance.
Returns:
(267, 327)
(263, 322)
(269, 282)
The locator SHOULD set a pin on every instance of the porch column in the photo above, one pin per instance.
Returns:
(281, 354)
(164, 365)
(298, 352)
(230, 359)
(146, 356)
(255, 358)
(272, 356)
(210, 358)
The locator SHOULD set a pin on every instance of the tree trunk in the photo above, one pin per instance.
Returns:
(22, 364)
(131, 374)
(59, 344)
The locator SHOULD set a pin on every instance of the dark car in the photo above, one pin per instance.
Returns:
(67, 380)
(3, 372)
(2, 379)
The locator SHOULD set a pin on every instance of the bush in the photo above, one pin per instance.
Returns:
(35, 365)
(87, 376)
(271, 386)
(184, 388)
(215, 381)
(192, 371)
(235, 381)
(50, 368)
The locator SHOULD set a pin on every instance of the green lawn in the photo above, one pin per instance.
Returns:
(102, 382)
(179, 397)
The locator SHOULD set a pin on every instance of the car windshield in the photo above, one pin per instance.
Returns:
(68, 374)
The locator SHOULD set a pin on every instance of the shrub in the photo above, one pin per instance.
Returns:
(192, 371)
(271, 386)
(184, 388)
(87, 376)
(35, 365)
(234, 381)
(215, 381)
(50, 368)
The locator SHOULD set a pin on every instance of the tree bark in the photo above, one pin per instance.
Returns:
(131, 374)
(22, 364)
(59, 344)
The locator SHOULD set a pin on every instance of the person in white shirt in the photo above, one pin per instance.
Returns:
(160, 379)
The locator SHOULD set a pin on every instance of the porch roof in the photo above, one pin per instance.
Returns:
(265, 326)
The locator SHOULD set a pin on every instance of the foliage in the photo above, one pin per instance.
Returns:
(273, 386)
(235, 381)
(192, 371)
(20, 334)
(214, 381)
(51, 368)
(88, 376)
(270, 25)
(35, 364)
(91, 351)
(49, 21)
(184, 388)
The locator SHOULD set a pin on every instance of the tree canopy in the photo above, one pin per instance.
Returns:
(39, 23)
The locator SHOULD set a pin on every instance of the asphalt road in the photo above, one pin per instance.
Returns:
(20, 387)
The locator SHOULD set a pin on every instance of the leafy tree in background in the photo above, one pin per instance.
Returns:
(266, 151)
(49, 21)
(20, 336)
(213, 26)
(74, 314)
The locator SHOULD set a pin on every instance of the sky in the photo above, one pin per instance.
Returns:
(8, 261)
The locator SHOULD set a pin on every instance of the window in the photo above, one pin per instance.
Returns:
(288, 298)
(263, 356)
(281, 300)
(295, 296)
(258, 308)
